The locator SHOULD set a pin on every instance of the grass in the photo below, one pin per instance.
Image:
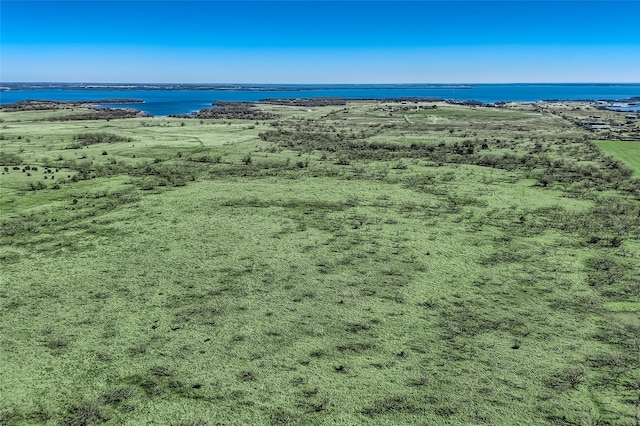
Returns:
(627, 152)
(470, 112)
(343, 275)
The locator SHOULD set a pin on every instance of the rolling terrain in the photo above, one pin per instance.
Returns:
(368, 263)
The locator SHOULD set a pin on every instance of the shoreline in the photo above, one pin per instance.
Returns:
(629, 105)
(171, 99)
(609, 120)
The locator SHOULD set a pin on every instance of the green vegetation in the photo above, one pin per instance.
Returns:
(625, 151)
(349, 264)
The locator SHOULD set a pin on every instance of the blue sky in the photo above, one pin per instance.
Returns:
(320, 42)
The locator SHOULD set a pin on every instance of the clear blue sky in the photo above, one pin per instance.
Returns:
(320, 42)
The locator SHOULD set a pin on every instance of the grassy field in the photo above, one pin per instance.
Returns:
(336, 265)
(627, 152)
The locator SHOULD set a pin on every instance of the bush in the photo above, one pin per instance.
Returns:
(603, 271)
(85, 139)
(37, 186)
(10, 159)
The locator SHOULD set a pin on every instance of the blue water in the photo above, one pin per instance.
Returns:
(184, 101)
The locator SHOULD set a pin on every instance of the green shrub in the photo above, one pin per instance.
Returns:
(85, 139)
(9, 158)
(37, 186)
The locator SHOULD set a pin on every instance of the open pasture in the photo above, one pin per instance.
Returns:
(626, 151)
(355, 264)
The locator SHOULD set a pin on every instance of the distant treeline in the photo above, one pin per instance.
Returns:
(37, 104)
(117, 86)
(91, 112)
(95, 112)
(234, 110)
(334, 101)
(305, 102)
(101, 114)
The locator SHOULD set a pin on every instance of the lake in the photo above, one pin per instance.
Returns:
(185, 99)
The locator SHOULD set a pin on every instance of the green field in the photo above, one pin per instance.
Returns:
(627, 152)
(336, 265)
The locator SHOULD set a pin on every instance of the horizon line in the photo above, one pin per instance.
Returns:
(310, 84)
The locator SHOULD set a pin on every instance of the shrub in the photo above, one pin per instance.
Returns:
(37, 186)
(85, 414)
(85, 139)
(10, 159)
(603, 271)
